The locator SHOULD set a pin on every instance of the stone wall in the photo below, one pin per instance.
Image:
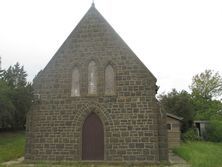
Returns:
(163, 135)
(130, 116)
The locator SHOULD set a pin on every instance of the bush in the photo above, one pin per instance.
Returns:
(214, 131)
(190, 135)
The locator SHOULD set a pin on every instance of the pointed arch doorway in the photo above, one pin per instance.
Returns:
(92, 138)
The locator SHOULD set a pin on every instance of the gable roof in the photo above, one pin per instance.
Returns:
(174, 116)
(92, 24)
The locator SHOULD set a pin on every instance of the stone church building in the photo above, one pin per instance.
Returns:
(95, 101)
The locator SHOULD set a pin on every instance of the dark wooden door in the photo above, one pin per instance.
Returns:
(92, 138)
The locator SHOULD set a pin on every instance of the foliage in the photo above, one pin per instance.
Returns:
(11, 145)
(22, 100)
(201, 154)
(15, 97)
(214, 131)
(205, 87)
(207, 84)
(190, 135)
(7, 108)
(15, 76)
(206, 109)
(200, 104)
(180, 104)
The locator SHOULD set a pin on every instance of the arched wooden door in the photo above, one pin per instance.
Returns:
(92, 138)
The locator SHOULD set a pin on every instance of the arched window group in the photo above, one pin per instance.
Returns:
(93, 79)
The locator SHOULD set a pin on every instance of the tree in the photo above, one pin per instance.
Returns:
(205, 87)
(16, 96)
(15, 76)
(22, 99)
(207, 84)
(206, 109)
(7, 108)
(180, 104)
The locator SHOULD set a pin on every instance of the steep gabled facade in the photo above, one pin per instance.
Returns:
(96, 101)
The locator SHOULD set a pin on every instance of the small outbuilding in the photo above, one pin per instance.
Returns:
(200, 126)
(174, 131)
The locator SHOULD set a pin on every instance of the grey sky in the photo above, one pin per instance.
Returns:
(175, 39)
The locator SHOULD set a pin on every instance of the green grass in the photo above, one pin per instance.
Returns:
(11, 145)
(201, 154)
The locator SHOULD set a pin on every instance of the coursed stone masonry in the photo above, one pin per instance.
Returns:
(134, 129)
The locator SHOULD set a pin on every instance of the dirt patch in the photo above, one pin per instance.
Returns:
(13, 162)
(177, 161)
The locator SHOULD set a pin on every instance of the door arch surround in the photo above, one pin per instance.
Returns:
(79, 120)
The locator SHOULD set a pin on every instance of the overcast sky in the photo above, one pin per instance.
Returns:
(175, 39)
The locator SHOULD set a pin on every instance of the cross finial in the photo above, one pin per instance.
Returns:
(93, 4)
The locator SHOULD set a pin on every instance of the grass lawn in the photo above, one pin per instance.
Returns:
(201, 154)
(11, 145)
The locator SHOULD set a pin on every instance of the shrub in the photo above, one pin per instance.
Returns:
(214, 131)
(190, 135)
